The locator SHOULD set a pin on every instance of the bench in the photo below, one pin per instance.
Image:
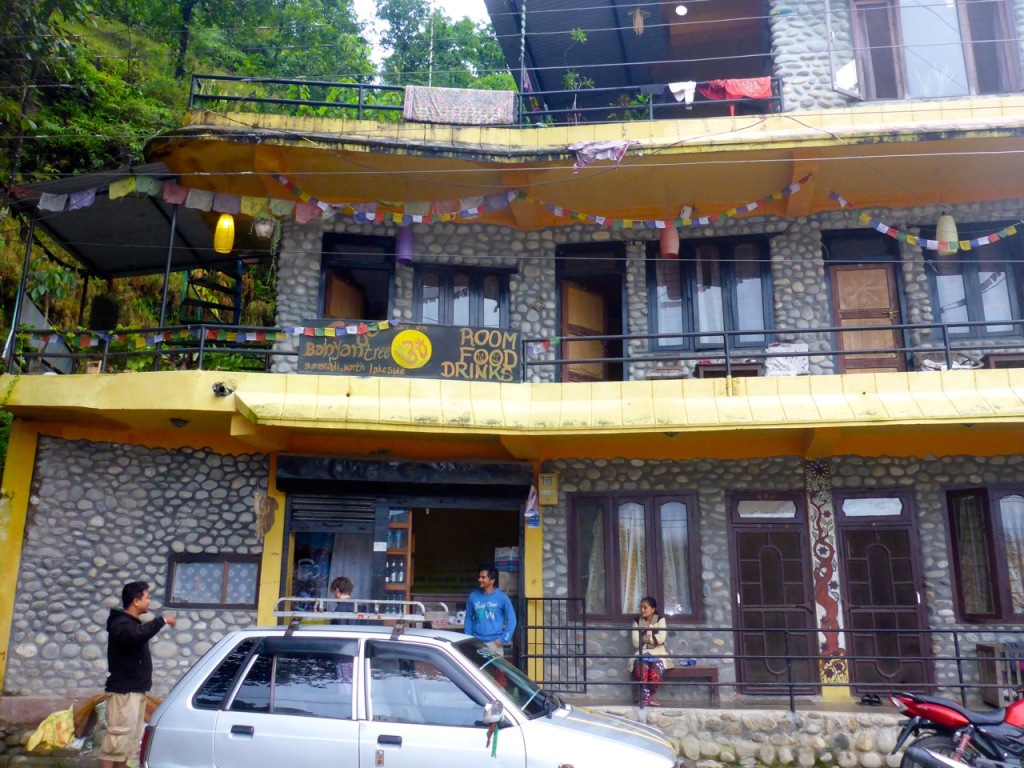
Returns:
(705, 672)
(1000, 672)
(1006, 360)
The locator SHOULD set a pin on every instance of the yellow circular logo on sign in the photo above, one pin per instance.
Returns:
(411, 349)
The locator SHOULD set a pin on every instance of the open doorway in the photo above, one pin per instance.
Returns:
(450, 545)
(590, 289)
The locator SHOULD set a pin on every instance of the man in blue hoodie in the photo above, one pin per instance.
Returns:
(489, 614)
(131, 673)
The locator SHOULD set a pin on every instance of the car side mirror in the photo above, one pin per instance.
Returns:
(494, 712)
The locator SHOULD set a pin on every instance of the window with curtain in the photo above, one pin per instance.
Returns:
(987, 531)
(915, 49)
(978, 285)
(198, 581)
(623, 548)
(714, 286)
(451, 296)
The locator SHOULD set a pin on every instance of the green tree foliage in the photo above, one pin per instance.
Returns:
(425, 46)
(38, 52)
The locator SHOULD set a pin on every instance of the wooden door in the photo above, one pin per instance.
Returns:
(866, 295)
(775, 609)
(884, 615)
(584, 314)
(343, 299)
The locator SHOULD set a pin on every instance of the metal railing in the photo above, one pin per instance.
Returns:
(179, 347)
(354, 100)
(950, 341)
(966, 673)
(219, 347)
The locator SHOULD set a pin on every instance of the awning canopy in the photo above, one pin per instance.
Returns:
(129, 235)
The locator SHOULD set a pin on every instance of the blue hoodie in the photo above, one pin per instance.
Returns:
(490, 617)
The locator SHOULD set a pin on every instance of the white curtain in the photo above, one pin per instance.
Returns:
(1012, 510)
(633, 561)
(674, 542)
(595, 597)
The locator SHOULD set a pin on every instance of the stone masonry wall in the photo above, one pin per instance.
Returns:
(718, 738)
(925, 477)
(101, 515)
(801, 298)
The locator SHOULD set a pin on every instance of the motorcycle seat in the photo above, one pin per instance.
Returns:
(986, 717)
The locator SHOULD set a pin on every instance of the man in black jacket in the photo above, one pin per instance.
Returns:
(131, 673)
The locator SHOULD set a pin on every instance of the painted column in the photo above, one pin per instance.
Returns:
(833, 668)
(14, 495)
(270, 522)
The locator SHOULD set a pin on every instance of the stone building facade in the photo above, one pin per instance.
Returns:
(104, 514)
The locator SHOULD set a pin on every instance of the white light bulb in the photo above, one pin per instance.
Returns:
(680, 10)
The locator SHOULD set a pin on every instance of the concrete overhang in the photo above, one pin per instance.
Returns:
(896, 155)
(969, 412)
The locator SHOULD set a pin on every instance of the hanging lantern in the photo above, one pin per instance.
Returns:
(404, 245)
(945, 232)
(224, 236)
(264, 228)
(669, 242)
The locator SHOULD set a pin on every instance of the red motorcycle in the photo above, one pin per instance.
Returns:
(947, 735)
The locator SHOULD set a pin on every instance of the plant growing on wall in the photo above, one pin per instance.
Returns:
(573, 80)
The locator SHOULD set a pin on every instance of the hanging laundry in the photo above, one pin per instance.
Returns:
(737, 88)
(589, 151)
(683, 91)
(459, 106)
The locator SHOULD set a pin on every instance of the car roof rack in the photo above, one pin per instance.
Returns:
(399, 612)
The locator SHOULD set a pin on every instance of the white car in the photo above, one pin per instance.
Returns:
(321, 696)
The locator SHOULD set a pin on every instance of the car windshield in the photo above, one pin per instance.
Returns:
(533, 700)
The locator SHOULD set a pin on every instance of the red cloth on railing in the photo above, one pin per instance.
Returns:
(737, 88)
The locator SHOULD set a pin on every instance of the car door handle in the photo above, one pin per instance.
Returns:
(242, 730)
(392, 740)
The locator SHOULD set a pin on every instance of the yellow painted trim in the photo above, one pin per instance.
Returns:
(840, 693)
(273, 553)
(14, 495)
(533, 585)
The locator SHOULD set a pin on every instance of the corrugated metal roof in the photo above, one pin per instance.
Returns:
(127, 236)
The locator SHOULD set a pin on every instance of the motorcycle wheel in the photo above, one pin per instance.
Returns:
(938, 743)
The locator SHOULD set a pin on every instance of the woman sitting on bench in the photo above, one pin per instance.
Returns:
(649, 635)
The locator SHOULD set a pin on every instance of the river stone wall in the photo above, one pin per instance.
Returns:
(608, 648)
(722, 738)
(801, 299)
(101, 515)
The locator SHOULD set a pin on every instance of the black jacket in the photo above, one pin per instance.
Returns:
(131, 666)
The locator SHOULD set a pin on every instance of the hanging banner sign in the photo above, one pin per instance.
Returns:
(459, 353)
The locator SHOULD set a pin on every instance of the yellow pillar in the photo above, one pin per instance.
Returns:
(532, 559)
(14, 493)
(273, 553)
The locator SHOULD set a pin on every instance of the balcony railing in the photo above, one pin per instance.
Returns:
(559, 652)
(217, 347)
(319, 98)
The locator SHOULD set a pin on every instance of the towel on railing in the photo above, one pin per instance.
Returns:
(748, 88)
(460, 106)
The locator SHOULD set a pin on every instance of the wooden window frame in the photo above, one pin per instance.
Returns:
(688, 277)
(446, 277)
(341, 251)
(998, 575)
(1009, 58)
(651, 503)
(226, 559)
